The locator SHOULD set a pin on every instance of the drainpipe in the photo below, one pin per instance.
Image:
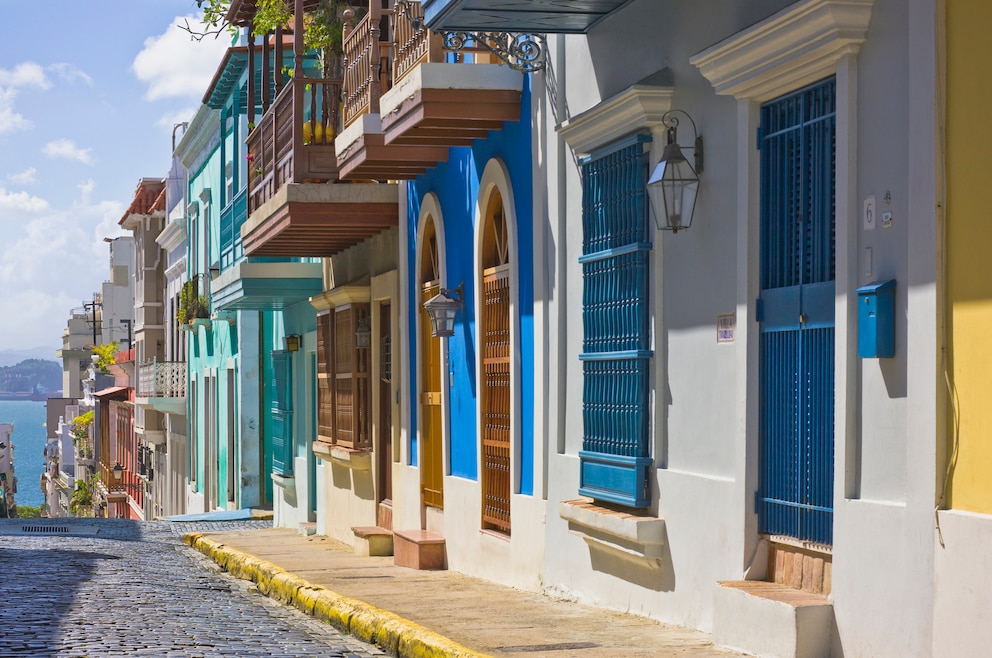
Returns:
(562, 276)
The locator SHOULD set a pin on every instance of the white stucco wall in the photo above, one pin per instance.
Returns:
(706, 430)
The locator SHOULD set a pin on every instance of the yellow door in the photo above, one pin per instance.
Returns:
(431, 467)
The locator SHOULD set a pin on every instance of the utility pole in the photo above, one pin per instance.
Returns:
(92, 307)
(128, 322)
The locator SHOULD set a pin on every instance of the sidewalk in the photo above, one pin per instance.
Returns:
(435, 613)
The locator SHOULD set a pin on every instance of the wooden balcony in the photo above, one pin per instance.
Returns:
(361, 147)
(552, 16)
(431, 104)
(293, 141)
(295, 209)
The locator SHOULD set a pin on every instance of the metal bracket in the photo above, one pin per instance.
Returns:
(520, 51)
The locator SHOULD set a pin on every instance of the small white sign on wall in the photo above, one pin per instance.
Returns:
(726, 324)
(870, 213)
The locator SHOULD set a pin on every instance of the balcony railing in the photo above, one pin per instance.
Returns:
(365, 76)
(414, 42)
(162, 379)
(293, 142)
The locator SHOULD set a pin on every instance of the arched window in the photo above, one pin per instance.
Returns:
(495, 354)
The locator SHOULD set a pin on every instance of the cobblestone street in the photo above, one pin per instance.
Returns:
(132, 589)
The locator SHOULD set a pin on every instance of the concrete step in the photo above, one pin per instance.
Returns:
(372, 540)
(771, 619)
(418, 549)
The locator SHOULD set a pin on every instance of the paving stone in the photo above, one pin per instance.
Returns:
(134, 589)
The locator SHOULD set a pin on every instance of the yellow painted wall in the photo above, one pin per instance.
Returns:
(969, 247)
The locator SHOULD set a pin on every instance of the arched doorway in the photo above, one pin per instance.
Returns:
(495, 352)
(431, 430)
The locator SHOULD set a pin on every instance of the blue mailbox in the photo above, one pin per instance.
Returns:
(877, 320)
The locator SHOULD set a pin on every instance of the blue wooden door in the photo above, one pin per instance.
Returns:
(796, 314)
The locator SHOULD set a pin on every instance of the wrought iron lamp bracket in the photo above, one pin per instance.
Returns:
(521, 51)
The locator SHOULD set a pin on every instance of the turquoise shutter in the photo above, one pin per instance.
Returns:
(616, 457)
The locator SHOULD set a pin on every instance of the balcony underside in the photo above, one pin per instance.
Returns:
(370, 158)
(450, 104)
(551, 16)
(304, 220)
(175, 406)
(266, 286)
(450, 117)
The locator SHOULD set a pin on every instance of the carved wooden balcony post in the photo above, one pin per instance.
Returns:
(298, 89)
(375, 56)
(251, 75)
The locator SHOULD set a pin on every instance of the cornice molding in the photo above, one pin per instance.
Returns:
(341, 297)
(790, 49)
(637, 108)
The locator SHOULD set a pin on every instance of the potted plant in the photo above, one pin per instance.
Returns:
(192, 305)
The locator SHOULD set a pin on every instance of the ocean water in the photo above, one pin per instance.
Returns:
(29, 447)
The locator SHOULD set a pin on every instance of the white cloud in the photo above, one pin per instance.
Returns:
(26, 177)
(171, 119)
(11, 121)
(69, 73)
(51, 259)
(13, 205)
(66, 149)
(173, 65)
(26, 74)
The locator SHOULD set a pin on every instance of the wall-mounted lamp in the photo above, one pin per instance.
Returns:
(118, 472)
(363, 334)
(442, 308)
(292, 343)
(674, 183)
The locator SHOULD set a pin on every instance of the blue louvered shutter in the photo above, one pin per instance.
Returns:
(616, 457)
(281, 407)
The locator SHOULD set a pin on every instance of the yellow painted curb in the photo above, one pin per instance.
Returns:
(392, 633)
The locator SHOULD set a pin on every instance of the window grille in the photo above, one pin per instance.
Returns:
(616, 353)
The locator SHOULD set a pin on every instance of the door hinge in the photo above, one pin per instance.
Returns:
(761, 137)
(759, 310)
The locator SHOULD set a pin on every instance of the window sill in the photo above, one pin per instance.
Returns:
(637, 538)
(284, 481)
(358, 460)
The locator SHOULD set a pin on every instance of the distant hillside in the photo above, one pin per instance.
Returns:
(12, 357)
(30, 375)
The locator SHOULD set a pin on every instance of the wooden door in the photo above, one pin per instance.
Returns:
(431, 430)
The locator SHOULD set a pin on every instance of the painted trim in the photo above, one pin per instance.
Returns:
(496, 177)
(797, 46)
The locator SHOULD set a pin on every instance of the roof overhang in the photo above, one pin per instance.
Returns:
(541, 16)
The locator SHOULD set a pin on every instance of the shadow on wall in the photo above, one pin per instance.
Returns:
(353, 480)
(610, 556)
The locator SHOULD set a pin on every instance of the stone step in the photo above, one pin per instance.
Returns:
(771, 619)
(373, 540)
(418, 549)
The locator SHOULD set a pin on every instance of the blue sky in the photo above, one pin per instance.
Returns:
(89, 94)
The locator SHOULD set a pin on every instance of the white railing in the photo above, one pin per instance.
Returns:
(162, 379)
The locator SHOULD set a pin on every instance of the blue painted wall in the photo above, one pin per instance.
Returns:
(456, 184)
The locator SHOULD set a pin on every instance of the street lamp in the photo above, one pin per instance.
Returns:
(442, 309)
(118, 472)
(674, 183)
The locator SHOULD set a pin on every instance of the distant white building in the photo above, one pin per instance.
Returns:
(8, 482)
